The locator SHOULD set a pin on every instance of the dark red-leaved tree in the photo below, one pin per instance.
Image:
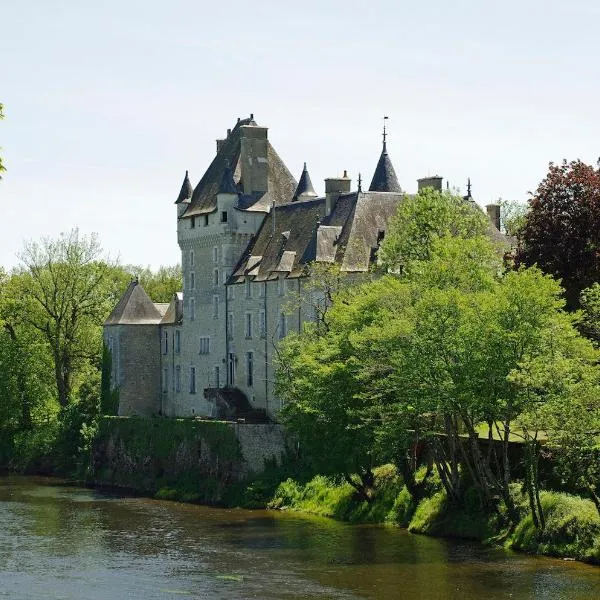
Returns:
(562, 231)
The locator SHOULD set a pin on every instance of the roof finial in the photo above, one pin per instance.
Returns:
(360, 182)
(468, 187)
(384, 131)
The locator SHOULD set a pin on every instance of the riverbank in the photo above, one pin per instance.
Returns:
(572, 523)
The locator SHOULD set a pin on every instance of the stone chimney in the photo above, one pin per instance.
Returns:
(254, 160)
(493, 212)
(221, 142)
(334, 188)
(434, 182)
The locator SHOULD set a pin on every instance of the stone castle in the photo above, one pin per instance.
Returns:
(247, 233)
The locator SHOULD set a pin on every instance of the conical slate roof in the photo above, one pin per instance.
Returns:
(134, 308)
(227, 183)
(186, 190)
(305, 187)
(384, 178)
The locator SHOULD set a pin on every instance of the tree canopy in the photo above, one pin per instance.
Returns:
(561, 233)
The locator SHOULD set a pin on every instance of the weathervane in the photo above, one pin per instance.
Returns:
(468, 187)
(384, 130)
(360, 182)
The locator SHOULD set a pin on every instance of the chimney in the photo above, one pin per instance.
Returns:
(493, 212)
(334, 188)
(254, 160)
(434, 182)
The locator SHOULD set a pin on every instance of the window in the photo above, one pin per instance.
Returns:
(282, 326)
(192, 222)
(230, 326)
(216, 277)
(204, 345)
(280, 285)
(216, 307)
(165, 342)
(217, 376)
(178, 378)
(192, 280)
(249, 369)
(192, 380)
(231, 366)
(248, 326)
(261, 289)
(215, 254)
(224, 216)
(165, 381)
(205, 220)
(178, 341)
(192, 258)
(262, 324)
(248, 288)
(192, 306)
(230, 294)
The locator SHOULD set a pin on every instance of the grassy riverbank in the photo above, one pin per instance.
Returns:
(572, 523)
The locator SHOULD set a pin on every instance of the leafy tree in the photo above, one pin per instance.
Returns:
(64, 296)
(422, 219)
(562, 231)
(513, 215)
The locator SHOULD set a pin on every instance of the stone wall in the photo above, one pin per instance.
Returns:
(202, 457)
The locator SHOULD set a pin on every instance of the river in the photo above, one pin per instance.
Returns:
(63, 542)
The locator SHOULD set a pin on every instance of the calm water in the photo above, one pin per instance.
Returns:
(73, 543)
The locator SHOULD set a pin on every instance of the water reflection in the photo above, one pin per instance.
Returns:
(64, 542)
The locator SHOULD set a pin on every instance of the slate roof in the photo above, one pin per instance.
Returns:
(305, 187)
(186, 190)
(281, 183)
(227, 183)
(174, 313)
(296, 234)
(135, 308)
(384, 178)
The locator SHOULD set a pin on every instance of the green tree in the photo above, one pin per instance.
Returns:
(159, 285)
(422, 219)
(64, 297)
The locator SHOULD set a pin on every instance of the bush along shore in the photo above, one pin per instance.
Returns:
(571, 531)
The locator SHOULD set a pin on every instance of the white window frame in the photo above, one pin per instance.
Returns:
(192, 379)
(204, 345)
(248, 325)
(249, 369)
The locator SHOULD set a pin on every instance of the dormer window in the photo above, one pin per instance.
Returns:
(224, 216)
(205, 220)
(192, 222)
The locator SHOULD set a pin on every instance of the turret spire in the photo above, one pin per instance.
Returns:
(384, 178)
(186, 190)
(305, 187)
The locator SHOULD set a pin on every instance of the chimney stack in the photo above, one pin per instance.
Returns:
(493, 212)
(434, 182)
(334, 188)
(254, 158)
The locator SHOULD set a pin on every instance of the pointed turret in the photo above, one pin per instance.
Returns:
(227, 185)
(186, 190)
(305, 187)
(384, 178)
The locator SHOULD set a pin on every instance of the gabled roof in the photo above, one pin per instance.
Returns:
(281, 183)
(135, 308)
(384, 178)
(186, 190)
(305, 187)
(294, 235)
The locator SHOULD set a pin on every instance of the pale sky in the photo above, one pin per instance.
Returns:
(108, 102)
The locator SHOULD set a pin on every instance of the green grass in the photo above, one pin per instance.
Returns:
(572, 529)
